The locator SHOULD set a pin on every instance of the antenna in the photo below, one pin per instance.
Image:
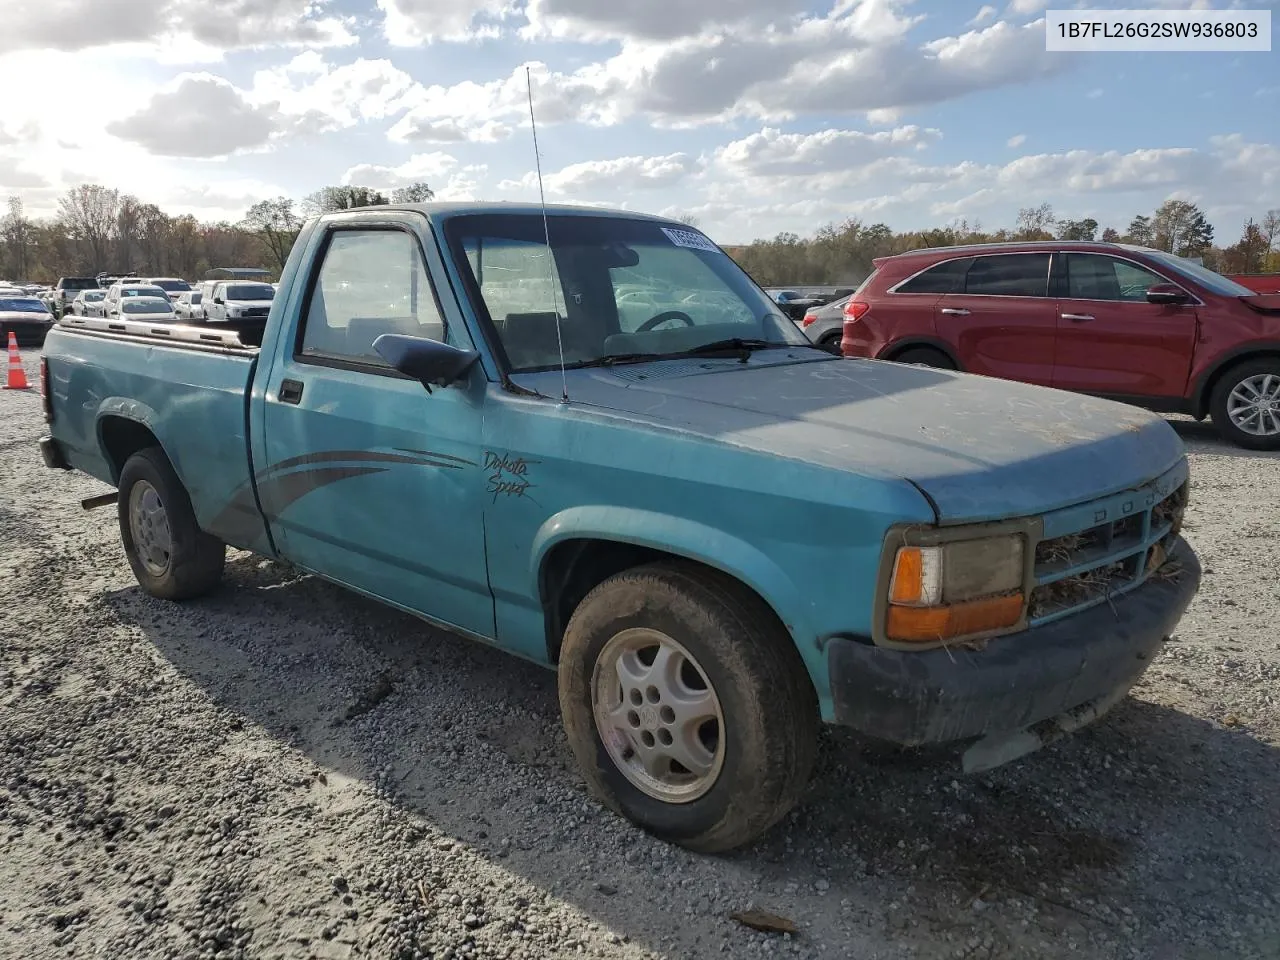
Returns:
(546, 230)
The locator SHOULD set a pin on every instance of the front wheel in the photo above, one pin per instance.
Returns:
(687, 705)
(1245, 405)
(171, 556)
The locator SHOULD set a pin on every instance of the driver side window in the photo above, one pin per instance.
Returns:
(1092, 276)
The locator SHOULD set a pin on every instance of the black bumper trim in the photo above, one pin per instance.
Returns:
(52, 454)
(944, 695)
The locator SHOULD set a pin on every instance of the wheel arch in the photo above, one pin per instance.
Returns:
(584, 546)
(123, 428)
(1208, 380)
(899, 347)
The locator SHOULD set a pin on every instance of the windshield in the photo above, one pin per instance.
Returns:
(1202, 275)
(173, 286)
(196, 297)
(142, 292)
(93, 294)
(146, 306)
(250, 291)
(78, 283)
(618, 286)
(21, 305)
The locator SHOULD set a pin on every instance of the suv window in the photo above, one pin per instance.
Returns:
(370, 283)
(1009, 275)
(946, 277)
(1093, 276)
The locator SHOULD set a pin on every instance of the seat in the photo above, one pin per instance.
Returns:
(531, 339)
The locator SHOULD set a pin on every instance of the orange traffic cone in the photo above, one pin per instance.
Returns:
(17, 376)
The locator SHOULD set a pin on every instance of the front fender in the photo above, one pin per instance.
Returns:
(693, 541)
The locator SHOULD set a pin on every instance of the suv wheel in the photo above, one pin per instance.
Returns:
(1245, 404)
(925, 357)
(831, 343)
(687, 705)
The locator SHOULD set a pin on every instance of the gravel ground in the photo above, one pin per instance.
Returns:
(286, 770)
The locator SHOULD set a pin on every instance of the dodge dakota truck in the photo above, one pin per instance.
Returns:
(589, 439)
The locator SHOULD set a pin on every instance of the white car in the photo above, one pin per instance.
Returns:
(147, 309)
(88, 303)
(187, 306)
(237, 300)
(173, 286)
(123, 291)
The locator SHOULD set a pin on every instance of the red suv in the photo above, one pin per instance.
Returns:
(1123, 322)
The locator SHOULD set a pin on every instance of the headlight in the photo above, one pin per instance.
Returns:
(955, 590)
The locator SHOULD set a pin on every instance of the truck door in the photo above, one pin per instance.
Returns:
(369, 479)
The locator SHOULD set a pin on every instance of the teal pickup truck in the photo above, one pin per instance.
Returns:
(590, 439)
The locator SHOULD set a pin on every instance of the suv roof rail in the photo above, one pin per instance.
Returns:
(1006, 244)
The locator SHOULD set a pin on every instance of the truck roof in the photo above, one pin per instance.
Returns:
(445, 209)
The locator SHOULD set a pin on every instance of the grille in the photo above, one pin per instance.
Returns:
(1107, 549)
(257, 311)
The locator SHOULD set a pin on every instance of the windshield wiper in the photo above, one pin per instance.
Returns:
(741, 347)
(618, 359)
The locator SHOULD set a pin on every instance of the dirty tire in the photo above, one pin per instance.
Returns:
(770, 710)
(925, 357)
(831, 343)
(1227, 382)
(196, 558)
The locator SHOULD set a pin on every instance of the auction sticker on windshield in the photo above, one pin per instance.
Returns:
(691, 239)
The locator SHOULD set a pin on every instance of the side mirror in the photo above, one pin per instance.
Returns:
(217, 300)
(1167, 293)
(430, 362)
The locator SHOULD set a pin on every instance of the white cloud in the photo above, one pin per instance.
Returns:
(80, 24)
(409, 23)
(985, 13)
(771, 152)
(421, 167)
(413, 128)
(1017, 140)
(1025, 8)
(199, 115)
(317, 97)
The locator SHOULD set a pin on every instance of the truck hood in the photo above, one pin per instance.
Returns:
(979, 448)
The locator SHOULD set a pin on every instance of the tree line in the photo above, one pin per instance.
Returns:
(843, 254)
(97, 229)
(100, 230)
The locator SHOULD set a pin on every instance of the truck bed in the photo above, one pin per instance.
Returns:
(176, 380)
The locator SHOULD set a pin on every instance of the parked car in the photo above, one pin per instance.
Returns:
(1113, 320)
(824, 324)
(149, 309)
(173, 286)
(794, 304)
(88, 303)
(123, 291)
(969, 559)
(26, 317)
(65, 290)
(187, 306)
(1258, 282)
(238, 299)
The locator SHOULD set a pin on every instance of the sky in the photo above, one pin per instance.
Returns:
(751, 116)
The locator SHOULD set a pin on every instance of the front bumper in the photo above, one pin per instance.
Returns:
(1017, 681)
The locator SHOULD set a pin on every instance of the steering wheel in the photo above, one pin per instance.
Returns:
(662, 318)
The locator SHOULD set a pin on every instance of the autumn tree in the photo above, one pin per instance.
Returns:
(1111, 235)
(333, 199)
(413, 193)
(1085, 229)
(1271, 231)
(88, 213)
(15, 233)
(1249, 254)
(276, 226)
(1141, 231)
(1035, 223)
(1181, 228)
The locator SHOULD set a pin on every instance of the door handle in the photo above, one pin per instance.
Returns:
(955, 311)
(290, 391)
(1077, 317)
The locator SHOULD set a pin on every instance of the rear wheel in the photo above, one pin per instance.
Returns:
(925, 357)
(687, 705)
(831, 343)
(170, 555)
(1245, 404)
